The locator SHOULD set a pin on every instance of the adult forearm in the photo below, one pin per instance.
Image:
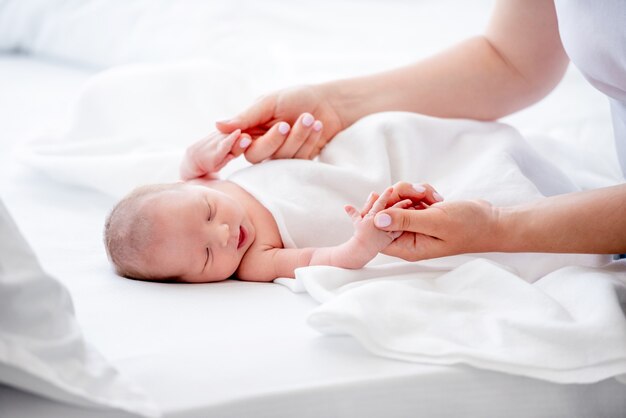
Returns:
(470, 80)
(518, 60)
(592, 221)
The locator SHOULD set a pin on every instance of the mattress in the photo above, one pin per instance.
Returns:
(237, 349)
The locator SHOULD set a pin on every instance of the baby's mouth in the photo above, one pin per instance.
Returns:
(242, 236)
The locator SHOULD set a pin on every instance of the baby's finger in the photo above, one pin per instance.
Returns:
(226, 145)
(352, 212)
(381, 202)
(266, 145)
(403, 204)
(369, 203)
(395, 234)
(226, 160)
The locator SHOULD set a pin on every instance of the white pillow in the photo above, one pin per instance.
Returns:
(42, 349)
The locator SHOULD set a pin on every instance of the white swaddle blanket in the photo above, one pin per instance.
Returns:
(553, 317)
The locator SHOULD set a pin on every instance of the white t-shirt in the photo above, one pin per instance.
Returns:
(594, 36)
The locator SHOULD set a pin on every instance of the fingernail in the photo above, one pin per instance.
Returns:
(318, 125)
(245, 142)
(437, 197)
(308, 120)
(227, 121)
(419, 188)
(382, 220)
(283, 128)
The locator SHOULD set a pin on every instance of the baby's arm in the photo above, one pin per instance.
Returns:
(208, 156)
(355, 253)
(366, 242)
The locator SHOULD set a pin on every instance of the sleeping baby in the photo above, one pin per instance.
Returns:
(206, 229)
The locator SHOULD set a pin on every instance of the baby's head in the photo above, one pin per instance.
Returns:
(179, 231)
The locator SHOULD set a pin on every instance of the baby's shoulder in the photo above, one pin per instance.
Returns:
(257, 264)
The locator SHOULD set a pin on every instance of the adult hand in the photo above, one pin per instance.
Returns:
(442, 229)
(291, 123)
(421, 196)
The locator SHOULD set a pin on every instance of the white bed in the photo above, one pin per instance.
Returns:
(236, 349)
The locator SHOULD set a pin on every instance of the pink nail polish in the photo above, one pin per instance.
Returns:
(318, 125)
(419, 188)
(308, 120)
(245, 142)
(437, 197)
(382, 220)
(283, 128)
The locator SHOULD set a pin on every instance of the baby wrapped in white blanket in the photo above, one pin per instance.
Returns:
(567, 327)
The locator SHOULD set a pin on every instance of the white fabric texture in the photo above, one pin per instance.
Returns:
(42, 349)
(601, 58)
(568, 327)
(125, 134)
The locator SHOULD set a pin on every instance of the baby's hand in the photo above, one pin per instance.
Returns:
(209, 155)
(371, 239)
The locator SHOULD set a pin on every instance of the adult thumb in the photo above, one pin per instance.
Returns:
(403, 220)
(259, 113)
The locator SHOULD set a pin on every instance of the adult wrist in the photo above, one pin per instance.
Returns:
(511, 230)
(342, 100)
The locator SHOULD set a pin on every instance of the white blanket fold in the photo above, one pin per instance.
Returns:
(553, 317)
(568, 327)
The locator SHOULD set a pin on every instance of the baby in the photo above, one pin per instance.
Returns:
(205, 229)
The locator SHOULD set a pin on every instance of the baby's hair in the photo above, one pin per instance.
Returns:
(128, 233)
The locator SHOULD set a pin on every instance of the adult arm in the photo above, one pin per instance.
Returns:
(592, 221)
(517, 61)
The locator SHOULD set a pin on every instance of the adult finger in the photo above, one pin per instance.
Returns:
(266, 145)
(417, 192)
(240, 146)
(308, 148)
(259, 113)
(414, 247)
(300, 131)
(419, 221)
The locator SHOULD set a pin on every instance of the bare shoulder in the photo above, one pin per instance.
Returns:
(258, 264)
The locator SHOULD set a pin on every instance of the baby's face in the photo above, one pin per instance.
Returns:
(201, 234)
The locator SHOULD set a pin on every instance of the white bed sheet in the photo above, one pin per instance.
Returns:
(229, 349)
